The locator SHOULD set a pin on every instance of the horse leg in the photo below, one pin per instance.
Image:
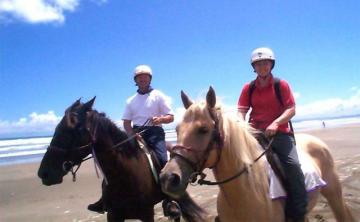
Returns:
(217, 219)
(190, 210)
(148, 214)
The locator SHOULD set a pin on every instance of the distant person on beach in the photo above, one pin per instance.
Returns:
(271, 112)
(146, 111)
(323, 124)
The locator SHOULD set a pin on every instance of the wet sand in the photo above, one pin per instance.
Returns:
(24, 198)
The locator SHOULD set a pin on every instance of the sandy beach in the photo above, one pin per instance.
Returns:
(24, 198)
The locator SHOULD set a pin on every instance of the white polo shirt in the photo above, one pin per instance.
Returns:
(139, 108)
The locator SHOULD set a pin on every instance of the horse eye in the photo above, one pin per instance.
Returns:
(203, 130)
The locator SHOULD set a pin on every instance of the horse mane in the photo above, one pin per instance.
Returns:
(243, 148)
(105, 126)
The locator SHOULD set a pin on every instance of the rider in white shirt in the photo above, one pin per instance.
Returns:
(148, 109)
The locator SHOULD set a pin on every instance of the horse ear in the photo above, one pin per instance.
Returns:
(211, 98)
(185, 99)
(75, 104)
(88, 105)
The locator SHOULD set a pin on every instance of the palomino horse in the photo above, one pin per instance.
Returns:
(210, 138)
(131, 191)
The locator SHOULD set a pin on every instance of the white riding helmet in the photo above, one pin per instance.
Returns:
(262, 53)
(142, 69)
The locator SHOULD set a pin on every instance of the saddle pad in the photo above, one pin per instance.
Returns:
(312, 179)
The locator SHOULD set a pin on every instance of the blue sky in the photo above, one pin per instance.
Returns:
(54, 52)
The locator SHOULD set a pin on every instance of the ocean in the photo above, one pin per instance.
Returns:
(27, 150)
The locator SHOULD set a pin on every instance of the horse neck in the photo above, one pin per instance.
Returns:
(114, 160)
(239, 151)
(108, 135)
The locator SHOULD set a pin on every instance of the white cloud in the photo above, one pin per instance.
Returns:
(38, 11)
(35, 124)
(331, 107)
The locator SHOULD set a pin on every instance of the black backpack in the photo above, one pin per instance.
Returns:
(277, 92)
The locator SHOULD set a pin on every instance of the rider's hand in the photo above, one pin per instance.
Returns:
(138, 136)
(272, 129)
(156, 120)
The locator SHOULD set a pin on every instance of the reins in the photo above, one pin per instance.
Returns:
(199, 177)
(134, 135)
(129, 138)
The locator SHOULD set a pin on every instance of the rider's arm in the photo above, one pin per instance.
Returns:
(127, 127)
(285, 116)
(168, 118)
(242, 113)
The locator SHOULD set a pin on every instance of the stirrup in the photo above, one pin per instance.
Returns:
(172, 209)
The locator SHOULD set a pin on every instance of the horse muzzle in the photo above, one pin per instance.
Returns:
(174, 177)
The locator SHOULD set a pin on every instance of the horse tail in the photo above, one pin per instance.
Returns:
(190, 210)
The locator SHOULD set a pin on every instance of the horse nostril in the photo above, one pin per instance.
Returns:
(174, 180)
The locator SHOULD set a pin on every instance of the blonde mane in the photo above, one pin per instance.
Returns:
(241, 148)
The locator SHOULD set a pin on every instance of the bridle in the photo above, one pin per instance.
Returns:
(71, 166)
(198, 176)
(68, 165)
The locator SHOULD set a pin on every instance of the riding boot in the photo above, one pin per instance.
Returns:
(98, 206)
(171, 209)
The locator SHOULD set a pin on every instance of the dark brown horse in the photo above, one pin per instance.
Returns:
(131, 191)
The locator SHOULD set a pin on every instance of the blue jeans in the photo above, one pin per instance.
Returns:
(154, 137)
(284, 146)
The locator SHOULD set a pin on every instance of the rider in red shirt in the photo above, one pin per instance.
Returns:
(272, 117)
(265, 105)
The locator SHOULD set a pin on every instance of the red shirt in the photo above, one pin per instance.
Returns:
(265, 105)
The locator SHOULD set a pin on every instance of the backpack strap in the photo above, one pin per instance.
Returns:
(278, 96)
(251, 90)
(277, 90)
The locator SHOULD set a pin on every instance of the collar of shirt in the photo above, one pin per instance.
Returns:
(270, 81)
(146, 92)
